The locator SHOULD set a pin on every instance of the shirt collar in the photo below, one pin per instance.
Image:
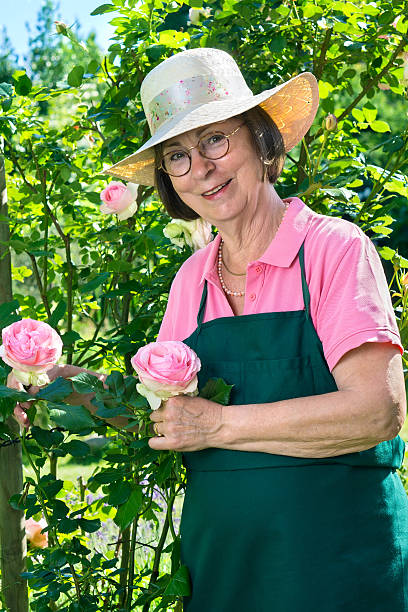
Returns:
(290, 235)
(284, 247)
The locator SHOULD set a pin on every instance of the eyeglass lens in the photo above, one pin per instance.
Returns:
(211, 146)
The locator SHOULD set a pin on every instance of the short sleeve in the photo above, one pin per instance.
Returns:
(354, 304)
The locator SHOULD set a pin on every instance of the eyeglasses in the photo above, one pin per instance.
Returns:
(211, 146)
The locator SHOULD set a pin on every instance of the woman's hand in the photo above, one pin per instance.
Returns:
(20, 409)
(186, 424)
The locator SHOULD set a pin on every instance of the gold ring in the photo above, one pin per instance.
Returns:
(158, 434)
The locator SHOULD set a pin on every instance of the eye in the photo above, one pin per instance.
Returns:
(177, 156)
(214, 139)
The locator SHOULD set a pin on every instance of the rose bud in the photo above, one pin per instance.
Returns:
(330, 123)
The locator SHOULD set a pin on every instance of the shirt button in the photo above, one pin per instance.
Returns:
(258, 269)
(252, 296)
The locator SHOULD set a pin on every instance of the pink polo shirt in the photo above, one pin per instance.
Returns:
(350, 302)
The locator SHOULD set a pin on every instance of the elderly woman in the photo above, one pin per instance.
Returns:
(293, 501)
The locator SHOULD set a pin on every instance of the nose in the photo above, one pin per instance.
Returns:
(200, 165)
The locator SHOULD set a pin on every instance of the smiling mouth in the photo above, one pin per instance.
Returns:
(216, 189)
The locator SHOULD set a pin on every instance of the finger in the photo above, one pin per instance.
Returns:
(13, 383)
(158, 429)
(21, 416)
(32, 390)
(157, 416)
(159, 443)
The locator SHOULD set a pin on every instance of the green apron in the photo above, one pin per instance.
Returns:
(273, 533)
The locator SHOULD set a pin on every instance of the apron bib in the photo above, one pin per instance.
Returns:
(274, 533)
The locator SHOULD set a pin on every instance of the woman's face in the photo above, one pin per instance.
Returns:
(236, 177)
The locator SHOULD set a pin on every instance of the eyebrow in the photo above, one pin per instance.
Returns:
(176, 143)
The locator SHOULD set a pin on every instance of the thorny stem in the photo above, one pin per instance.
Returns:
(17, 165)
(95, 335)
(124, 539)
(131, 573)
(157, 555)
(40, 286)
(76, 582)
(69, 279)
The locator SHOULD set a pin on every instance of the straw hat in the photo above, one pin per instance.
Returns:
(201, 86)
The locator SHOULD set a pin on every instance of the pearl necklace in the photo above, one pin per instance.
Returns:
(223, 285)
(220, 262)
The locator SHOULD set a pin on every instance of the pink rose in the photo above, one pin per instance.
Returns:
(33, 532)
(30, 348)
(166, 369)
(119, 199)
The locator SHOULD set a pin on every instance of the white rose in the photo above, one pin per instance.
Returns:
(195, 15)
(196, 234)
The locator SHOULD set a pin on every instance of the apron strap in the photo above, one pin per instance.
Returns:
(201, 309)
(305, 288)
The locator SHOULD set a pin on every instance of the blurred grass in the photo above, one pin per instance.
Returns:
(66, 470)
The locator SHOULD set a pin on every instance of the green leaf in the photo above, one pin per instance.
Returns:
(358, 114)
(115, 383)
(50, 485)
(154, 52)
(77, 448)
(179, 585)
(119, 493)
(75, 76)
(56, 391)
(57, 314)
(89, 525)
(67, 525)
(72, 418)
(57, 558)
(395, 144)
(6, 90)
(59, 509)
(103, 8)
(277, 44)
(93, 66)
(380, 126)
(8, 313)
(216, 390)
(17, 396)
(129, 510)
(107, 476)
(46, 438)
(164, 469)
(370, 114)
(98, 280)
(23, 85)
(387, 253)
(86, 383)
(70, 337)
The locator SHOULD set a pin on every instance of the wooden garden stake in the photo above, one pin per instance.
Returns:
(13, 545)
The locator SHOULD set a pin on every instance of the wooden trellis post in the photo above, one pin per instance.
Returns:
(13, 546)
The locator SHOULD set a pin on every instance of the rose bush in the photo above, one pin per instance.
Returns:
(31, 348)
(166, 369)
(119, 199)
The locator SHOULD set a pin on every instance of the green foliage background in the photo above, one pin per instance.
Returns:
(103, 284)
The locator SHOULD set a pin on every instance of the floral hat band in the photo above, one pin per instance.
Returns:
(201, 86)
(199, 89)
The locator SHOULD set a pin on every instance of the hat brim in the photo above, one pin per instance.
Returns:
(291, 105)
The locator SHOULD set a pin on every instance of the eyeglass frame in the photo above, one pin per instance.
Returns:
(188, 149)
